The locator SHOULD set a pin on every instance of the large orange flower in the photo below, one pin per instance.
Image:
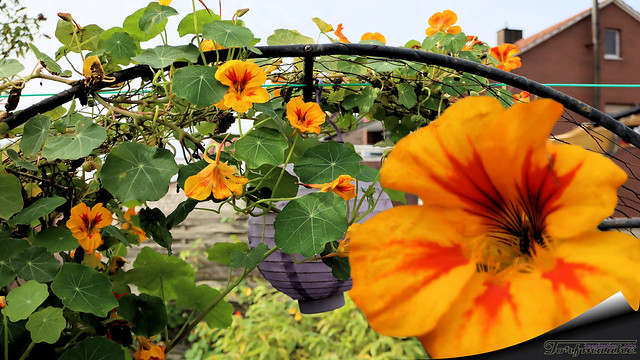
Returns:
(148, 351)
(305, 116)
(340, 35)
(505, 246)
(374, 36)
(443, 21)
(244, 80)
(217, 178)
(341, 186)
(85, 225)
(506, 55)
(128, 225)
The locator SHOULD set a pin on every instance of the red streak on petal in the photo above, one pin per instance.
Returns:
(434, 259)
(568, 275)
(490, 302)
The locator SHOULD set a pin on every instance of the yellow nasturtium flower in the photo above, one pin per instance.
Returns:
(341, 186)
(245, 80)
(443, 21)
(165, 2)
(148, 351)
(505, 245)
(506, 55)
(85, 225)
(374, 36)
(217, 178)
(306, 117)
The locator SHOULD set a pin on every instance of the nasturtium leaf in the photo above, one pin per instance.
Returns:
(35, 263)
(384, 66)
(269, 109)
(302, 145)
(115, 233)
(10, 247)
(10, 195)
(134, 171)
(186, 25)
(325, 162)
(84, 289)
(121, 46)
(340, 268)
(87, 37)
(306, 224)
(24, 300)
(288, 37)
(352, 65)
(155, 273)
(431, 41)
(322, 26)
(56, 239)
(454, 42)
(146, 313)
(46, 325)
(261, 146)
(38, 209)
(364, 100)
(367, 173)
(15, 158)
(10, 67)
(198, 85)
(248, 260)
(202, 296)
(181, 212)
(155, 14)
(406, 95)
(154, 224)
(16, 334)
(266, 176)
(395, 195)
(48, 63)
(227, 34)
(165, 55)
(95, 348)
(131, 27)
(87, 137)
(220, 251)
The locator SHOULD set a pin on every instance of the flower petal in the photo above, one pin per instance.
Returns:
(406, 269)
(199, 186)
(101, 216)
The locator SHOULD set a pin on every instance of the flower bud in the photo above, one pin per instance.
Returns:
(65, 16)
(3, 302)
(241, 12)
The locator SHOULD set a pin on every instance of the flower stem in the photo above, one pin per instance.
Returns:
(293, 146)
(27, 351)
(6, 335)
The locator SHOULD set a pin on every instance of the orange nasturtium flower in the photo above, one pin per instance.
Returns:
(210, 45)
(340, 35)
(506, 55)
(217, 178)
(128, 225)
(443, 21)
(85, 225)
(305, 116)
(244, 80)
(523, 96)
(148, 351)
(374, 36)
(472, 41)
(505, 246)
(341, 186)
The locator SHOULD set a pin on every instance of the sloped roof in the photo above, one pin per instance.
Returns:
(533, 40)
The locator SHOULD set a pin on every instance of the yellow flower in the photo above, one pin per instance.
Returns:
(244, 80)
(128, 225)
(341, 186)
(3, 302)
(210, 45)
(165, 2)
(344, 245)
(217, 178)
(374, 36)
(305, 116)
(506, 55)
(505, 246)
(148, 351)
(443, 21)
(85, 225)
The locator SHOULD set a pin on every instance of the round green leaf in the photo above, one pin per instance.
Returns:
(198, 85)
(95, 348)
(38, 209)
(46, 325)
(87, 37)
(288, 37)
(187, 26)
(266, 177)
(10, 67)
(35, 263)
(406, 95)
(227, 34)
(306, 224)
(164, 55)
(87, 137)
(157, 273)
(23, 301)
(155, 14)
(221, 250)
(131, 27)
(36, 131)
(134, 171)
(199, 298)
(84, 289)
(325, 162)
(147, 314)
(56, 239)
(261, 146)
(10, 195)
(10, 247)
(46, 61)
(121, 46)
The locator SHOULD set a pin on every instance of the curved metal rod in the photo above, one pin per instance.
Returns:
(313, 50)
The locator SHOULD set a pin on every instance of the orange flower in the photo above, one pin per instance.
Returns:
(165, 2)
(128, 225)
(443, 21)
(148, 351)
(374, 36)
(505, 246)
(338, 33)
(210, 45)
(341, 186)
(472, 41)
(244, 80)
(523, 96)
(305, 116)
(505, 54)
(217, 178)
(344, 245)
(3, 302)
(85, 225)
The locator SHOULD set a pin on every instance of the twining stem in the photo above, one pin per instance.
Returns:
(195, 26)
(5, 324)
(27, 351)
(293, 146)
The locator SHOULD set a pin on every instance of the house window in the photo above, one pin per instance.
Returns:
(612, 44)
